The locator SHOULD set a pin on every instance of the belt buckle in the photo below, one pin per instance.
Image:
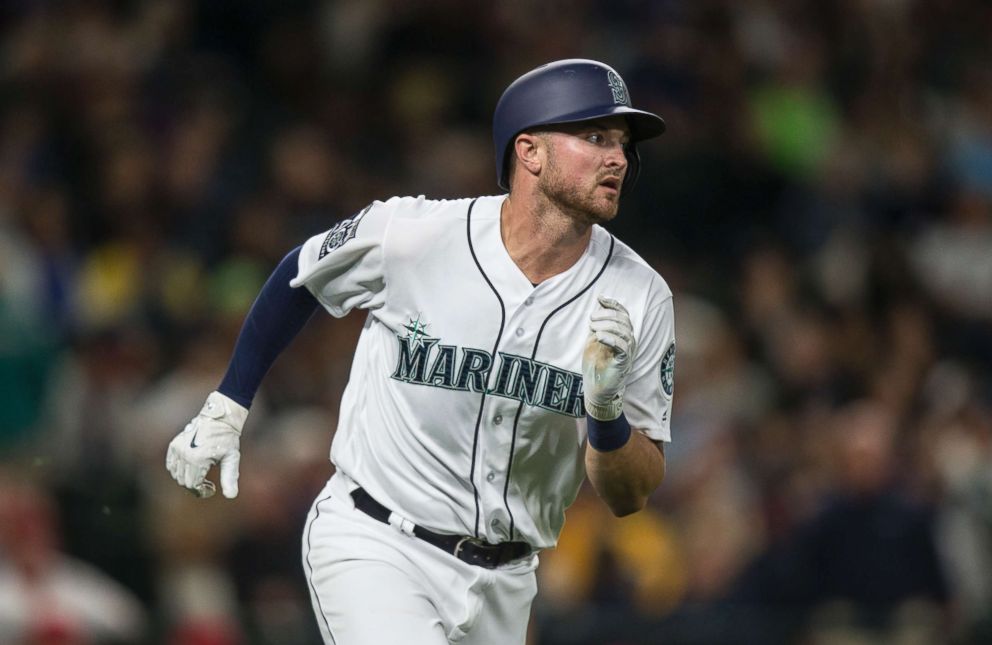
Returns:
(461, 543)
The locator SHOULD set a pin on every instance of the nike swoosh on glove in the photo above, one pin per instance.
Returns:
(607, 359)
(212, 437)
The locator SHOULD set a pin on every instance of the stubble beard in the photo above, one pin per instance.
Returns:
(582, 205)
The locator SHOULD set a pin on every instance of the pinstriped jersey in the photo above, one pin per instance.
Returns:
(464, 411)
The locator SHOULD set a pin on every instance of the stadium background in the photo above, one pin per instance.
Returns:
(821, 206)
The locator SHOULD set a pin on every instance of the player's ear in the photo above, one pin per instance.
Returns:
(527, 149)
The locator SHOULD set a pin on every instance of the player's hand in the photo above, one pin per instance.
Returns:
(607, 359)
(212, 437)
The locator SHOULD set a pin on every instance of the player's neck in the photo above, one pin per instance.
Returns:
(541, 240)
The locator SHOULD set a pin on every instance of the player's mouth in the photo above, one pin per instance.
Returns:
(611, 183)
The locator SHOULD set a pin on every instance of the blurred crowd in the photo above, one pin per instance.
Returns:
(821, 206)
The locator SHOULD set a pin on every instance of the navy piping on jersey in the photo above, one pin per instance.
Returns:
(499, 335)
(533, 356)
(316, 596)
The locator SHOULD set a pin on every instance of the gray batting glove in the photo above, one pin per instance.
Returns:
(607, 359)
(212, 437)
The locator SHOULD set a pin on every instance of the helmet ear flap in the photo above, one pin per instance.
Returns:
(633, 166)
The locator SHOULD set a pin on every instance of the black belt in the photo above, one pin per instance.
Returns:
(467, 549)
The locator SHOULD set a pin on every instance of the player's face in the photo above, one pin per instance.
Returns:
(585, 168)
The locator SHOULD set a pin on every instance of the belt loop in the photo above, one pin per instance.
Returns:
(401, 524)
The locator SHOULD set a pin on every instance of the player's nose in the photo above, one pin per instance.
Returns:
(616, 158)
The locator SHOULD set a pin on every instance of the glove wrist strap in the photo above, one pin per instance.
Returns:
(607, 436)
(223, 408)
(605, 411)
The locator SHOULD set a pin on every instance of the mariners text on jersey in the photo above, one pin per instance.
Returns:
(425, 361)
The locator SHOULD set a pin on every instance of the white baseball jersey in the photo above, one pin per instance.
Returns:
(464, 409)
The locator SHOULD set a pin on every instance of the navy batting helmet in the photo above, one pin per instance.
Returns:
(568, 91)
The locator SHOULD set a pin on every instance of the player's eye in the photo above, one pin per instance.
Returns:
(595, 137)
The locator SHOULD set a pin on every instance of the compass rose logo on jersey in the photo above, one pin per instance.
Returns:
(416, 330)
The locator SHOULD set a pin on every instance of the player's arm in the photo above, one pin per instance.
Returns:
(623, 464)
(213, 436)
(626, 476)
(339, 270)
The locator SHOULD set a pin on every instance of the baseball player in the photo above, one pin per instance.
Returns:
(512, 347)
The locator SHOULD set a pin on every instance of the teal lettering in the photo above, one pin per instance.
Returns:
(503, 377)
(525, 384)
(475, 366)
(518, 378)
(443, 371)
(555, 389)
(411, 364)
(574, 404)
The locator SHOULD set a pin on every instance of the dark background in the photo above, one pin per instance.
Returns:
(821, 206)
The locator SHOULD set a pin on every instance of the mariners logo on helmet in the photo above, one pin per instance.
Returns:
(619, 89)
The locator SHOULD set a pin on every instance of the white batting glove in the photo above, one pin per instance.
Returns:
(607, 359)
(212, 437)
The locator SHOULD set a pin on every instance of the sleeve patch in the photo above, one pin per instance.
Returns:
(668, 370)
(341, 233)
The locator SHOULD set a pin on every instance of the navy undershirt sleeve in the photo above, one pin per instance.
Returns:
(276, 317)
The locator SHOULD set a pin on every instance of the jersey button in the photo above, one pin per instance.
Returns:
(498, 419)
(529, 301)
(520, 331)
(491, 476)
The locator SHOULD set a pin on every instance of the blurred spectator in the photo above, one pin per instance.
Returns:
(958, 430)
(47, 597)
(952, 256)
(264, 558)
(869, 548)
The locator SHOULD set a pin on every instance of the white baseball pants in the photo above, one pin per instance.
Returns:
(371, 584)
